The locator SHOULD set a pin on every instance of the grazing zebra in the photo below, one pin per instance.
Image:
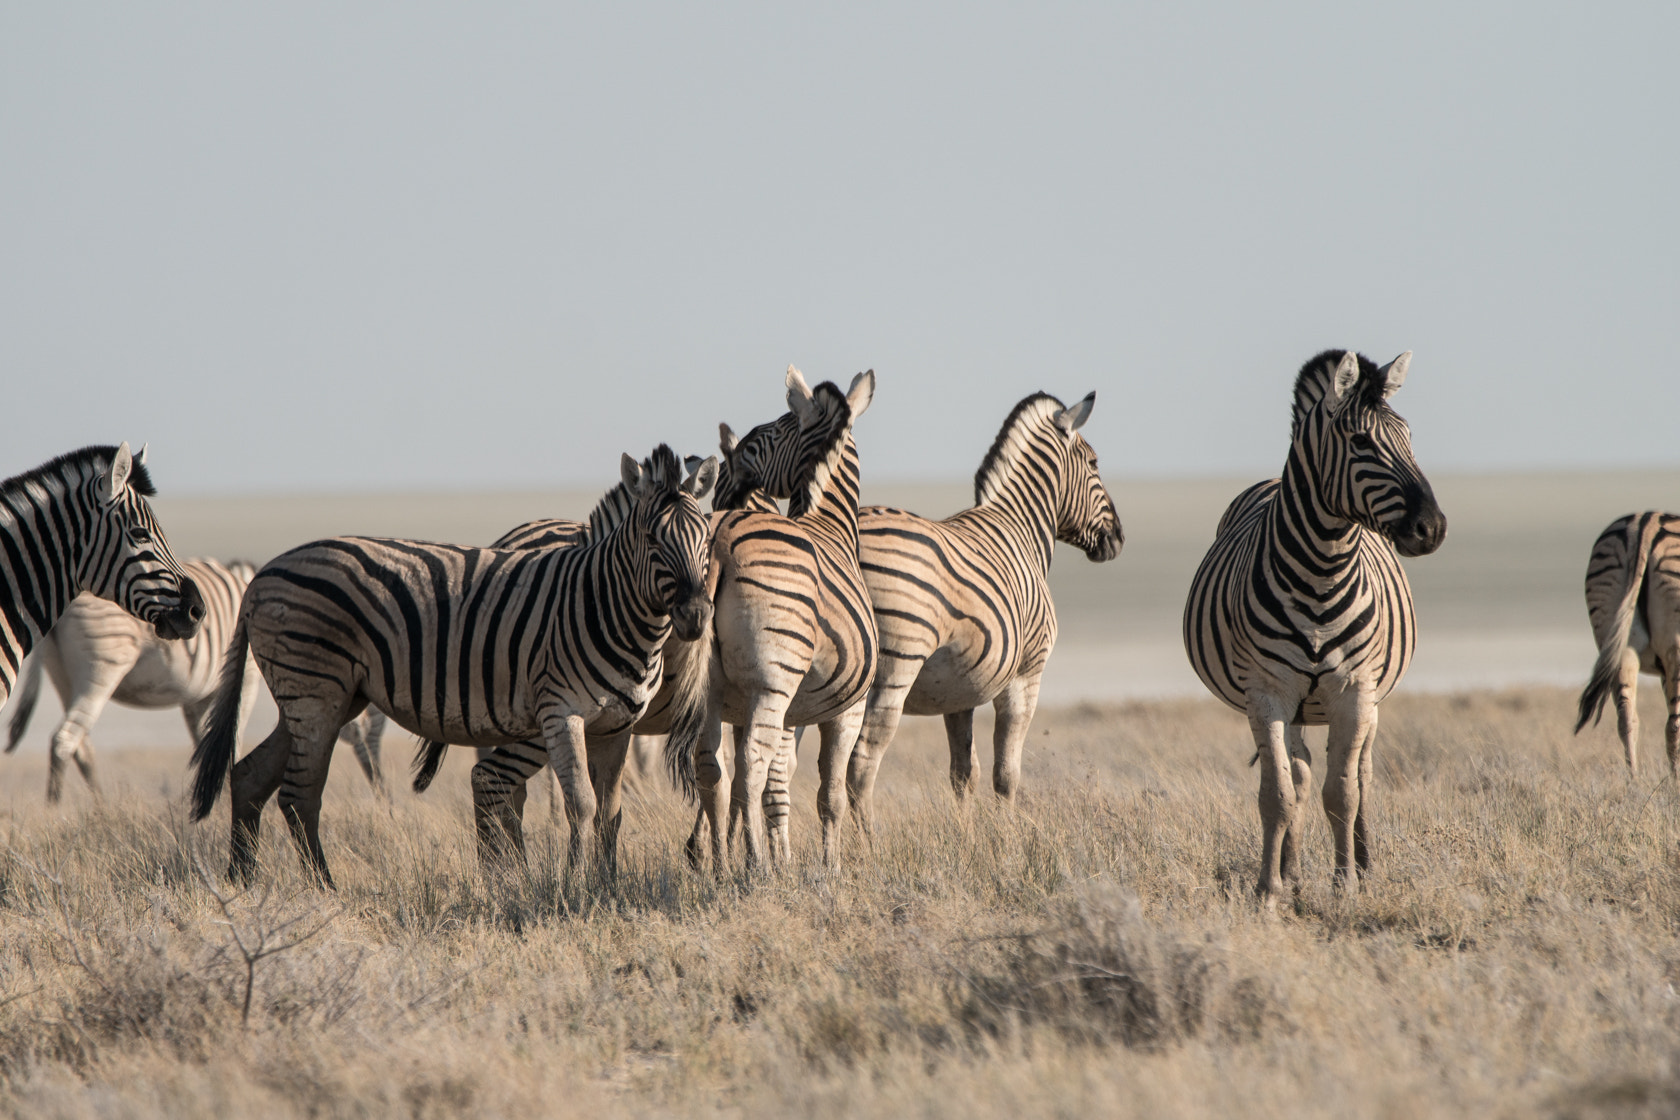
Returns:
(1633, 598)
(793, 637)
(963, 605)
(97, 652)
(82, 523)
(465, 645)
(1300, 613)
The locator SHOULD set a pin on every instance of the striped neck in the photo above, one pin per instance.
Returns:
(1317, 547)
(829, 498)
(40, 578)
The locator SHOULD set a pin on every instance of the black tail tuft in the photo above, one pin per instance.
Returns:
(214, 753)
(427, 761)
(25, 706)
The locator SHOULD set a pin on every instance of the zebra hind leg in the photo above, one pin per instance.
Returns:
(1626, 695)
(1671, 692)
(839, 735)
(253, 781)
(302, 785)
(959, 734)
(1014, 706)
(500, 781)
(778, 800)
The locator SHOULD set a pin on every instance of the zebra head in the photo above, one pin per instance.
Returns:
(778, 457)
(1358, 451)
(127, 560)
(1039, 461)
(1085, 514)
(674, 534)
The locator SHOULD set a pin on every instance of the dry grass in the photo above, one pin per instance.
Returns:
(1093, 952)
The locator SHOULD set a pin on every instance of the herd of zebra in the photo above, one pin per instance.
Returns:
(562, 641)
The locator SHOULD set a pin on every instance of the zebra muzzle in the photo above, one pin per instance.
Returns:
(689, 617)
(183, 621)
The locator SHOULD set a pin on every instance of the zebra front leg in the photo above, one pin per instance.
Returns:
(777, 798)
(253, 781)
(712, 787)
(959, 735)
(607, 758)
(1353, 720)
(499, 784)
(753, 752)
(1361, 822)
(1627, 708)
(568, 753)
(839, 735)
(1278, 803)
(1300, 760)
(1671, 692)
(1014, 706)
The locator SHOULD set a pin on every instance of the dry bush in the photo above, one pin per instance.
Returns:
(1093, 949)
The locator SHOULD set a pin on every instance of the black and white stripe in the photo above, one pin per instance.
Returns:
(1300, 613)
(82, 523)
(473, 646)
(1633, 599)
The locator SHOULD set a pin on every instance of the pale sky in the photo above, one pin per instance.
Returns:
(358, 247)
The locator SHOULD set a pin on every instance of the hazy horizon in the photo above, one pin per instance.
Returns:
(330, 248)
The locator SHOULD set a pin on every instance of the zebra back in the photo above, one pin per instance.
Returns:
(82, 523)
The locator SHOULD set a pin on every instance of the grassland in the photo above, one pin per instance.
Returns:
(1093, 951)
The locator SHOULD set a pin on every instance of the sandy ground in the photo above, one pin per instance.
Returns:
(1499, 605)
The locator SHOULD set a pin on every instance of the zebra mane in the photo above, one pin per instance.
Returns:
(97, 456)
(1314, 381)
(999, 463)
(615, 505)
(817, 468)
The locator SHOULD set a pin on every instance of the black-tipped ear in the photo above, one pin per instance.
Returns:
(728, 441)
(630, 473)
(122, 469)
(1394, 374)
(1342, 381)
(799, 398)
(700, 483)
(1072, 418)
(861, 393)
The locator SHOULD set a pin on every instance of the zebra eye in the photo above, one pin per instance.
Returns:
(1363, 442)
(138, 535)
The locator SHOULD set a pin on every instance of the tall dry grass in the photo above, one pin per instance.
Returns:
(1093, 951)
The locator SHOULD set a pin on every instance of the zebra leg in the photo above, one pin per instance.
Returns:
(777, 802)
(839, 735)
(1627, 708)
(752, 770)
(880, 723)
(713, 785)
(959, 734)
(718, 761)
(1300, 762)
(1278, 804)
(1671, 692)
(1014, 706)
(606, 764)
(1361, 833)
(254, 780)
(301, 788)
(1353, 720)
(568, 753)
(499, 785)
(72, 739)
(360, 735)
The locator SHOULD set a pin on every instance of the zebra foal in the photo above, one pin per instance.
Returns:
(1633, 599)
(474, 646)
(1300, 614)
(79, 523)
(97, 652)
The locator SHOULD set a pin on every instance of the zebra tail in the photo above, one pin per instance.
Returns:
(427, 761)
(690, 700)
(25, 704)
(214, 753)
(1608, 667)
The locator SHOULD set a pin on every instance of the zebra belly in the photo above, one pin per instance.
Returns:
(952, 681)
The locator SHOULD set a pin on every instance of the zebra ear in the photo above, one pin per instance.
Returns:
(1394, 374)
(630, 473)
(140, 459)
(799, 398)
(1072, 418)
(691, 463)
(861, 392)
(122, 469)
(727, 439)
(700, 482)
(1342, 381)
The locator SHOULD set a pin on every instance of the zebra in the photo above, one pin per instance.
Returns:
(963, 606)
(79, 523)
(97, 652)
(466, 645)
(1300, 613)
(793, 637)
(501, 777)
(1633, 599)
